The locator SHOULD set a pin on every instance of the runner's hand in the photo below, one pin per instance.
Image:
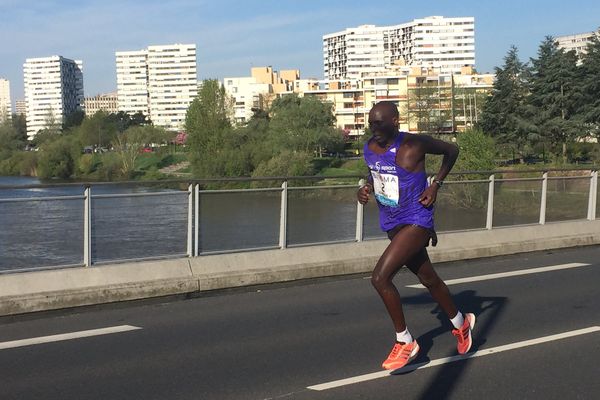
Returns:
(428, 196)
(363, 194)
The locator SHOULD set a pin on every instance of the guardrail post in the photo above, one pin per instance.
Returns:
(593, 195)
(283, 216)
(544, 196)
(87, 227)
(359, 216)
(197, 220)
(190, 219)
(490, 205)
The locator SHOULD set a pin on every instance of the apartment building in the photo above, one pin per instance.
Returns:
(53, 90)
(258, 90)
(577, 42)
(132, 82)
(107, 102)
(172, 83)
(5, 102)
(439, 42)
(428, 99)
(21, 107)
(160, 82)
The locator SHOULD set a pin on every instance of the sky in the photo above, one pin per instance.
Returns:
(233, 36)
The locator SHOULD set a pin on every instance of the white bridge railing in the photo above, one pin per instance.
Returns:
(195, 193)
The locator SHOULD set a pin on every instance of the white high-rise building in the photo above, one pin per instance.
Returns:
(437, 42)
(5, 103)
(53, 90)
(172, 83)
(132, 82)
(160, 82)
(577, 43)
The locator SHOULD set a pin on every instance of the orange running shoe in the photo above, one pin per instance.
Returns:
(463, 334)
(402, 354)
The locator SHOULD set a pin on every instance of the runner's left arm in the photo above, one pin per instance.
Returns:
(450, 152)
(436, 146)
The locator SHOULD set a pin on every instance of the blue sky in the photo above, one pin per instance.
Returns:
(231, 36)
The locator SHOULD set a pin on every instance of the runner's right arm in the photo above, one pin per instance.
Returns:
(363, 192)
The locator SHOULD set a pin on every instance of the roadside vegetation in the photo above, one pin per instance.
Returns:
(541, 114)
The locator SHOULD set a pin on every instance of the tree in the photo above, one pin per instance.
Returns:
(19, 123)
(73, 119)
(555, 92)
(589, 113)
(129, 144)
(139, 118)
(121, 120)
(10, 139)
(286, 163)
(57, 158)
(303, 124)
(100, 129)
(504, 113)
(208, 124)
(427, 106)
(477, 153)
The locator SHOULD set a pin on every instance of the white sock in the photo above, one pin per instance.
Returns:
(404, 337)
(458, 320)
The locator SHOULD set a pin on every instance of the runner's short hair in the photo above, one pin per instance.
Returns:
(390, 105)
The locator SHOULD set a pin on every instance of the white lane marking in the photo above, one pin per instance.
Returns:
(67, 336)
(446, 360)
(507, 274)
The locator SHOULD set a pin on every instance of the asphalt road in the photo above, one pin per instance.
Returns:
(275, 342)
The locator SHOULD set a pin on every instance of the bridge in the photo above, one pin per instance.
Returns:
(304, 322)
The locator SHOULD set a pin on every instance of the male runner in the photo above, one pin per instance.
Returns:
(396, 162)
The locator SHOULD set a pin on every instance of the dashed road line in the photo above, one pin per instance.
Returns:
(447, 360)
(508, 274)
(67, 336)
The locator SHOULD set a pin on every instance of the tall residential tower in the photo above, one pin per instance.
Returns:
(447, 44)
(5, 103)
(53, 90)
(160, 82)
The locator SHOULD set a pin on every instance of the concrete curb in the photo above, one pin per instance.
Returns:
(55, 289)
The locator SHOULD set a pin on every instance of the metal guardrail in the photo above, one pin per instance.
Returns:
(194, 194)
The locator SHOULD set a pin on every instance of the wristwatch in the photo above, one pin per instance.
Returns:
(439, 182)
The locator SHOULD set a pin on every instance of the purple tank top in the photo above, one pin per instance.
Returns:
(397, 190)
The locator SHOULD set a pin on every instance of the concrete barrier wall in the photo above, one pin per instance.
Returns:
(53, 289)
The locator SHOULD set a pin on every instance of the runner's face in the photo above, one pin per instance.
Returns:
(383, 125)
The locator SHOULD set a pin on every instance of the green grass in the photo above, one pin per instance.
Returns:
(333, 172)
(159, 160)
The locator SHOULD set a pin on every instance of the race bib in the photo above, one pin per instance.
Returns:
(387, 191)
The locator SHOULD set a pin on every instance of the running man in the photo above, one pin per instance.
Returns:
(396, 162)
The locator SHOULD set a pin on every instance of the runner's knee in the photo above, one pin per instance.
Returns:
(379, 280)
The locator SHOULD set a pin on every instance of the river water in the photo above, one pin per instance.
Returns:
(50, 233)
(39, 233)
